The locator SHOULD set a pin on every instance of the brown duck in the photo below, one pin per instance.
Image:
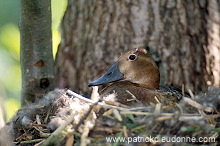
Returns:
(135, 78)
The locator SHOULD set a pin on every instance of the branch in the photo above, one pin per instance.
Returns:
(36, 57)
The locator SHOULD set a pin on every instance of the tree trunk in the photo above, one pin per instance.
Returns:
(184, 33)
(37, 63)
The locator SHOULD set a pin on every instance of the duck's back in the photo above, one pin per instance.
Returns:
(128, 93)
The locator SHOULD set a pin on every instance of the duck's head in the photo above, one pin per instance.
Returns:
(135, 66)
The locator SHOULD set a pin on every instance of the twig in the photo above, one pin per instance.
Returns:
(163, 118)
(197, 105)
(133, 97)
(117, 115)
(138, 127)
(107, 129)
(69, 92)
(47, 116)
(28, 141)
(197, 118)
(183, 90)
(191, 94)
(70, 140)
(138, 108)
(150, 113)
(187, 118)
(181, 110)
(125, 131)
(158, 101)
(157, 109)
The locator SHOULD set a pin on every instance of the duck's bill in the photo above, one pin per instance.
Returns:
(113, 74)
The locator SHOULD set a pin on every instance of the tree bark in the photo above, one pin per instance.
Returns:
(96, 32)
(36, 57)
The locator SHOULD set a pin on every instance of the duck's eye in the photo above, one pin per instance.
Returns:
(132, 57)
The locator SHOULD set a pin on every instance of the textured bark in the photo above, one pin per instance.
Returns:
(95, 32)
(213, 47)
(37, 63)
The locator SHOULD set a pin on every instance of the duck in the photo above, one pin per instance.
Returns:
(135, 78)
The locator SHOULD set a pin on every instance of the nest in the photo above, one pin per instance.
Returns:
(63, 117)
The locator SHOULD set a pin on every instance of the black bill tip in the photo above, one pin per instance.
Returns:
(113, 74)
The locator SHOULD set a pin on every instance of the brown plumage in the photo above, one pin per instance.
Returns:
(135, 78)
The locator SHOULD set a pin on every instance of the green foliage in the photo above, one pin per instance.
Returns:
(10, 73)
(9, 12)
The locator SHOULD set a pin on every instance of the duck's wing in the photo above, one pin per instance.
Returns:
(174, 91)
